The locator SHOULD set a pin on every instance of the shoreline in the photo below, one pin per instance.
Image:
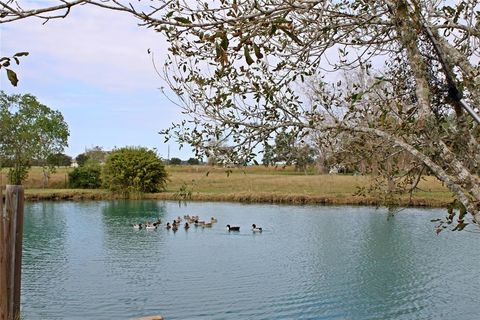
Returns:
(241, 197)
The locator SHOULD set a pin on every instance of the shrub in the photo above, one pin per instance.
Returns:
(86, 176)
(193, 161)
(175, 161)
(134, 169)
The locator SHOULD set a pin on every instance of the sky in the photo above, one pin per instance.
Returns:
(94, 68)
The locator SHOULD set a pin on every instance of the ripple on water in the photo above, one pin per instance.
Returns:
(86, 261)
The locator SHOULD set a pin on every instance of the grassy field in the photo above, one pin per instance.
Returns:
(252, 184)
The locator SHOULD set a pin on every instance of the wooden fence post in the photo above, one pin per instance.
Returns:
(19, 199)
(11, 254)
(3, 262)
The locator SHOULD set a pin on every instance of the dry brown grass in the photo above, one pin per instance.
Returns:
(260, 186)
(57, 180)
(252, 184)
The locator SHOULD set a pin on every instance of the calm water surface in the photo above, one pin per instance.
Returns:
(85, 261)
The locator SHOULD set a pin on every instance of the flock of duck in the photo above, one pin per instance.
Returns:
(189, 220)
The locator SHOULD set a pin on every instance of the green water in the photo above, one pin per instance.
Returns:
(85, 261)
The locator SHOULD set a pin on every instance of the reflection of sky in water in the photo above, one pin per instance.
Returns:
(84, 260)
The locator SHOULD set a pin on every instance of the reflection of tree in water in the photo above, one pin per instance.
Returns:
(388, 278)
(44, 248)
(124, 246)
(134, 208)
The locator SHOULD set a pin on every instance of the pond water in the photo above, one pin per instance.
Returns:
(84, 260)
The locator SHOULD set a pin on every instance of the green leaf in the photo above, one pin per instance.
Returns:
(273, 29)
(258, 54)
(356, 96)
(248, 57)
(224, 43)
(20, 54)
(182, 20)
(292, 36)
(12, 76)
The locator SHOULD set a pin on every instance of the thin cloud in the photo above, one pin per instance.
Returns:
(95, 46)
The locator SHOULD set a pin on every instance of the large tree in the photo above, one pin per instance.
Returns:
(423, 55)
(239, 68)
(288, 151)
(29, 132)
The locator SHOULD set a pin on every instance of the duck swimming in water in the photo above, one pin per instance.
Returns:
(150, 227)
(255, 228)
(233, 228)
(137, 226)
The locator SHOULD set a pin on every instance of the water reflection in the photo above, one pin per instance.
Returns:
(389, 280)
(126, 249)
(44, 253)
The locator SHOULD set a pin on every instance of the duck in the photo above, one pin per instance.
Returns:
(174, 228)
(158, 222)
(199, 222)
(168, 226)
(213, 220)
(207, 225)
(137, 226)
(255, 228)
(233, 228)
(186, 226)
(150, 227)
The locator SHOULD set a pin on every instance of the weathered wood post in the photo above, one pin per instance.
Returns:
(11, 238)
(3, 263)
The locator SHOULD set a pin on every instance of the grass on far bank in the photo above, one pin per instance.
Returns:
(248, 184)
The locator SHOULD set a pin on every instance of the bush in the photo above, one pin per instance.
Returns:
(86, 176)
(175, 161)
(81, 159)
(134, 169)
(193, 161)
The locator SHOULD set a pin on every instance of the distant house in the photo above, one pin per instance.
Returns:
(73, 164)
(337, 169)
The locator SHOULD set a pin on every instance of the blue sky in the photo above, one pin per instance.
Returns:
(94, 68)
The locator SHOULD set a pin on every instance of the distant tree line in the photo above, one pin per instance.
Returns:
(177, 161)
